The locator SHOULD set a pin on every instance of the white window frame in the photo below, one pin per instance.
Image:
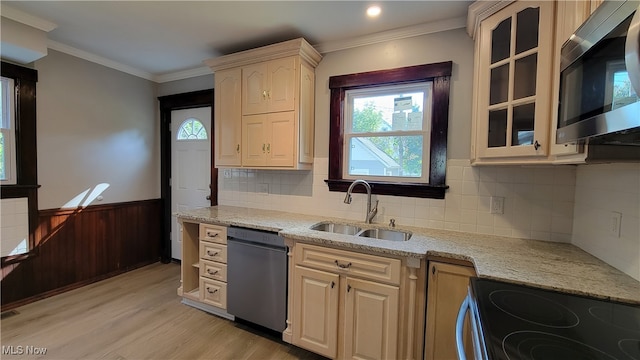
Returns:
(350, 95)
(7, 127)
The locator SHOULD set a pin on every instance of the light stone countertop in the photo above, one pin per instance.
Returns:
(547, 265)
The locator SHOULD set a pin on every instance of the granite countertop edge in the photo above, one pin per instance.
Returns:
(548, 265)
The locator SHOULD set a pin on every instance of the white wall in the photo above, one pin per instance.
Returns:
(538, 201)
(600, 190)
(98, 134)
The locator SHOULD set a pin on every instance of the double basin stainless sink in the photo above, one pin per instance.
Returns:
(375, 233)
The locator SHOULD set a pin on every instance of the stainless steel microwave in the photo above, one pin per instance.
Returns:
(600, 75)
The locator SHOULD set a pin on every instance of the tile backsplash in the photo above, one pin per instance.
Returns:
(601, 190)
(538, 201)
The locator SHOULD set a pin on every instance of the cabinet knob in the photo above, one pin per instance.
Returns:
(333, 284)
(264, 94)
(348, 288)
(433, 270)
(536, 145)
(238, 148)
(268, 148)
(263, 148)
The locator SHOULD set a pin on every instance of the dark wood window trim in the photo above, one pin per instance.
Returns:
(26, 156)
(168, 103)
(440, 74)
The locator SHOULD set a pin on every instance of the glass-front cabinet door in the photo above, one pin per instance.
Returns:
(513, 82)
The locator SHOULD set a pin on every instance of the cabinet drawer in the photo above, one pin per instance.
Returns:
(214, 252)
(213, 292)
(213, 233)
(366, 266)
(213, 270)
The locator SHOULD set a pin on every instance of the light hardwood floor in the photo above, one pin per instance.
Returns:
(136, 315)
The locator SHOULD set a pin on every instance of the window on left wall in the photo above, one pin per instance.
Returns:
(18, 162)
(7, 133)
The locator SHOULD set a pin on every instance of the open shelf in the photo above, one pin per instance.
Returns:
(193, 294)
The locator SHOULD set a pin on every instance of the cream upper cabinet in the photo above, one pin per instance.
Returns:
(512, 84)
(446, 289)
(269, 86)
(268, 139)
(276, 82)
(227, 114)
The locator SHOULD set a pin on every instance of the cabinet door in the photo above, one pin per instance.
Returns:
(315, 311)
(254, 147)
(514, 72)
(370, 320)
(447, 287)
(254, 89)
(280, 138)
(281, 84)
(227, 117)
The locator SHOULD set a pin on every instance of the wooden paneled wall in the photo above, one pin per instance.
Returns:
(81, 246)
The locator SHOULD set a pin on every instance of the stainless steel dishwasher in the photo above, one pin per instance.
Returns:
(257, 277)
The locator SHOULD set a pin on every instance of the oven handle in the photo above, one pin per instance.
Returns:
(632, 52)
(464, 308)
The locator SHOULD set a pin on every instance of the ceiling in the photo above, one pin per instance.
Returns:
(166, 40)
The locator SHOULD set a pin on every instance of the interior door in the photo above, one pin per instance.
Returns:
(190, 166)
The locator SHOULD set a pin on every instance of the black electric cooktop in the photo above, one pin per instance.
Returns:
(520, 322)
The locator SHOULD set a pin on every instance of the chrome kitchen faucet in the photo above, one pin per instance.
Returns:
(371, 213)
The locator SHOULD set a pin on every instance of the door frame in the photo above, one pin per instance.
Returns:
(168, 103)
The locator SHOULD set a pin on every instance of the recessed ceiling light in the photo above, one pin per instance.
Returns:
(373, 11)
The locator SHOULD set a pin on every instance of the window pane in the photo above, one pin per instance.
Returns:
(523, 123)
(499, 87)
(527, 29)
(497, 128)
(3, 175)
(192, 129)
(525, 77)
(386, 156)
(501, 41)
(389, 112)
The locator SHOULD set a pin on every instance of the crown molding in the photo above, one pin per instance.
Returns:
(481, 10)
(396, 34)
(54, 45)
(27, 19)
(184, 74)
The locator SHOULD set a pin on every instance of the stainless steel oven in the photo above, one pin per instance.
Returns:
(516, 322)
(600, 74)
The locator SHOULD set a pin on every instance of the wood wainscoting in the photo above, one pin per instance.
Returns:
(76, 247)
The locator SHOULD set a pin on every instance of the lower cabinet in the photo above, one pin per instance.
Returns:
(347, 305)
(204, 267)
(447, 286)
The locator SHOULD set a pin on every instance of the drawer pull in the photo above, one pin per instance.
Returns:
(212, 234)
(211, 292)
(343, 266)
(212, 272)
(333, 284)
(210, 253)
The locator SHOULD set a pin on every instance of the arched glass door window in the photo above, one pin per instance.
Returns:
(192, 129)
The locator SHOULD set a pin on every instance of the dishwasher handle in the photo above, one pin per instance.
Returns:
(464, 308)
